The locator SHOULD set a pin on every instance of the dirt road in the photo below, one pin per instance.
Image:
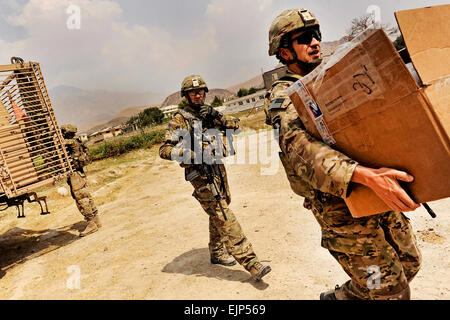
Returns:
(154, 239)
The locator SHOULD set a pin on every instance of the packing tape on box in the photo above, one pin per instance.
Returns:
(313, 109)
(318, 73)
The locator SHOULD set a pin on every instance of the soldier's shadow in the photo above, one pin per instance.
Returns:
(196, 262)
(20, 245)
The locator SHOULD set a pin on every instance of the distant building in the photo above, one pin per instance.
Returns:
(255, 100)
(105, 134)
(169, 111)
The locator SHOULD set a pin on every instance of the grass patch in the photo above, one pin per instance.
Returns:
(251, 120)
(124, 145)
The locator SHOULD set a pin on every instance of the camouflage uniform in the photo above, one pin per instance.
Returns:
(225, 235)
(322, 176)
(77, 181)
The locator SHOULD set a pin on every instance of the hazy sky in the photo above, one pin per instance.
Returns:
(150, 45)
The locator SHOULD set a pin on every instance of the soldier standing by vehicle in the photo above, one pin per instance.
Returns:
(227, 240)
(383, 243)
(81, 157)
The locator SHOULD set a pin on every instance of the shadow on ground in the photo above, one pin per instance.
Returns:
(19, 245)
(196, 263)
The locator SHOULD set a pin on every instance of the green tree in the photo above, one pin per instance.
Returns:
(131, 124)
(152, 116)
(146, 118)
(242, 92)
(252, 90)
(399, 43)
(216, 102)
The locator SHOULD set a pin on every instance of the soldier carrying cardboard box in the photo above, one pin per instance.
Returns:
(379, 247)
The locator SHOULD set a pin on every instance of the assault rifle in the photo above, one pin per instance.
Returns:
(208, 171)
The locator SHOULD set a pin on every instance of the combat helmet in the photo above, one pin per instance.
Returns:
(287, 22)
(193, 82)
(68, 128)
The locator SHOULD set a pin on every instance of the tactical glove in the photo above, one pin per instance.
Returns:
(179, 154)
(209, 112)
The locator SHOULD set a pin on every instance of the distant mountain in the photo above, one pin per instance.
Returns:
(175, 98)
(255, 82)
(327, 48)
(120, 118)
(86, 108)
(94, 110)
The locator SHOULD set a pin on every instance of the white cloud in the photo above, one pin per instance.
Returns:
(241, 27)
(106, 52)
(224, 40)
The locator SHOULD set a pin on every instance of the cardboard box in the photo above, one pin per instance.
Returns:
(368, 106)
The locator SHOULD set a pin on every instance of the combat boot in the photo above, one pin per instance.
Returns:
(224, 259)
(329, 295)
(91, 227)
(258, 270)
(97, 221)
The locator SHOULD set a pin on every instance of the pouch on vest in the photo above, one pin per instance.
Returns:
(191, 175)
(77, 181)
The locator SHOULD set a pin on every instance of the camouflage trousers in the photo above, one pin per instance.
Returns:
(379, 252)
(224, 235)
(80, 193)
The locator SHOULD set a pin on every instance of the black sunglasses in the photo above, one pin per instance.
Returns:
(307, 36)
(195, 92)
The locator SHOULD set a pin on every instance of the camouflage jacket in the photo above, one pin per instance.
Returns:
(79, 152)
(311, 165)
(183, 120)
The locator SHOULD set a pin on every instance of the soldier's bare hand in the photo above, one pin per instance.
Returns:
(384, 182)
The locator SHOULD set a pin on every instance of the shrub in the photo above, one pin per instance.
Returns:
(123, 145)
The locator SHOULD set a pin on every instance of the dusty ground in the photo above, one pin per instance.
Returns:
(153, 243)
